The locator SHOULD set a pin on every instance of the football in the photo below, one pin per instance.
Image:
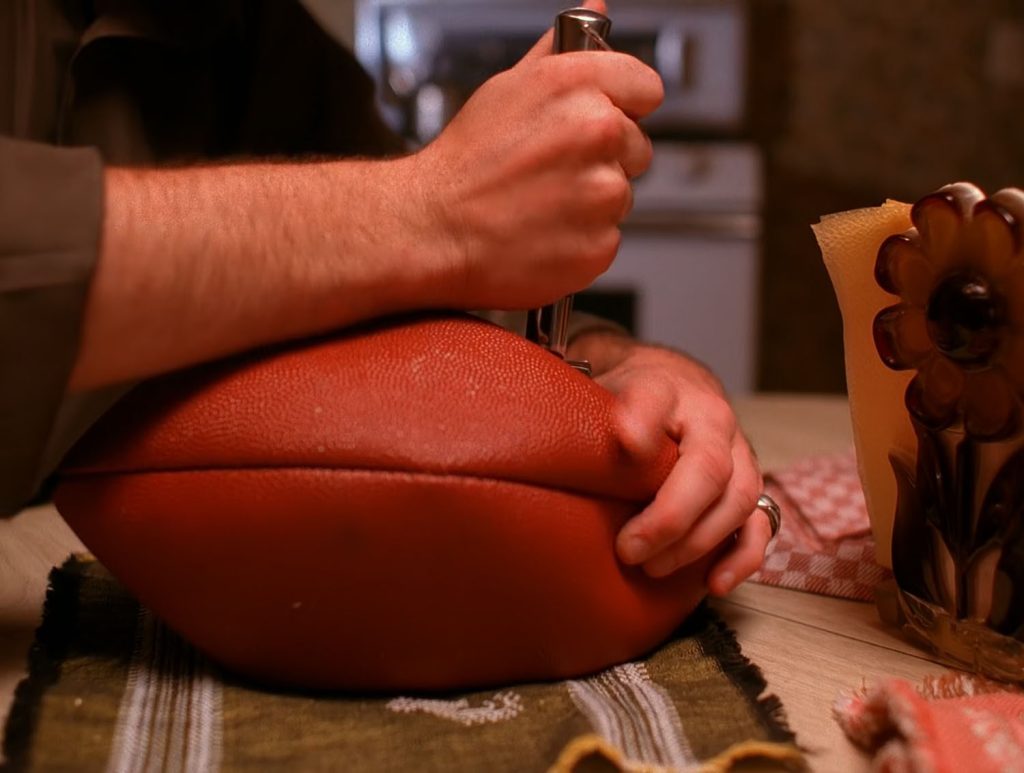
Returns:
(428, 503)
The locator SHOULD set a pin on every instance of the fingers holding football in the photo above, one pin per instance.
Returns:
(710, 494)
(744, 557)
(721, 518)
(696, 485)
(693, 486)
(715, 523)
(712, 490)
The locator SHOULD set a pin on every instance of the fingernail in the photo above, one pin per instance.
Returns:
(727, 580)
(634, 550)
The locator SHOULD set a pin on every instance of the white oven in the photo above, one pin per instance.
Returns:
(689, 266)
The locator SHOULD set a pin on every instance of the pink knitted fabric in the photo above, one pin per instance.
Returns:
(950, 724)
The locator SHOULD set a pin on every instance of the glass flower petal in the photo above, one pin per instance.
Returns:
(940, 218)
(994, 238)
(1011, 286)
(901, 336)
(1011, 361)
(933, 395)
(991, 409)
(1011, 201)
(903, 269)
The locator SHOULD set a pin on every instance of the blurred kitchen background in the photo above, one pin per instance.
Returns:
(778, 111)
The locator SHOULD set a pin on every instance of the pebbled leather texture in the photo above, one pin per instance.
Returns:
(428, 503)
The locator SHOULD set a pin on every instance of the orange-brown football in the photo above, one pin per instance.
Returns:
(425, 504)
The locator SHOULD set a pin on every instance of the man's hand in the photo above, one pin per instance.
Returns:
(711, 493)
(530, 180)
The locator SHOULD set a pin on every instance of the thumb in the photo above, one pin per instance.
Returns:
(547, 41)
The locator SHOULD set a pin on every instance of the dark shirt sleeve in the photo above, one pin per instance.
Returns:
(50, 216)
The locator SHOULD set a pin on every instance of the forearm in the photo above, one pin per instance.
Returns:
(201, 262)
(197, 263)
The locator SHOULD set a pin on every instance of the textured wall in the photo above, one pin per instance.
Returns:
(856, 101)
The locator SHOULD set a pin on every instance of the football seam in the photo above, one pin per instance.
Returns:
(70, 477)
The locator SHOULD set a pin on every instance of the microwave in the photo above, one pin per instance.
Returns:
(428, 56)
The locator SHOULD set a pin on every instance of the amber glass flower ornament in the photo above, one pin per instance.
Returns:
(949, 329)
(960, 320)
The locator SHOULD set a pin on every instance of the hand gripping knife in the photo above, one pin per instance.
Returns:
(578, 29)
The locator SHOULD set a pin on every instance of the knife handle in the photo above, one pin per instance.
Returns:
(577, 29)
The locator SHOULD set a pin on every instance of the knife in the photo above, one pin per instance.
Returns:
(577, 29)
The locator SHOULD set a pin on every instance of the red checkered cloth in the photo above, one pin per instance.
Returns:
(825, 544)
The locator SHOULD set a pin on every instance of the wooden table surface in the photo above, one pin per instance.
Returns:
(809, 647)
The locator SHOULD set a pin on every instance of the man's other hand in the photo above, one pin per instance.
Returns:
(708, 502)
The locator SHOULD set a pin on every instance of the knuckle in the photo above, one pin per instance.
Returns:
(561, 73)
(715, 465)
(666, 563)
(648, 150)
(747, 484)
(663, 530)
(605, 129)
(606, 184)
(747, 491)
(648, 87)
(746, 456)
(645, 156)
(627, 204)
(700, 543)
(611, 191)
(721, 413)
(606, 247)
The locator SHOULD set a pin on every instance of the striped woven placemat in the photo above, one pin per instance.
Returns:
(110, 688)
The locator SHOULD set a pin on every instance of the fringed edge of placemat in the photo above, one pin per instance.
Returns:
(48, 651)
(719, 642)
(749, 679)
(781, 745)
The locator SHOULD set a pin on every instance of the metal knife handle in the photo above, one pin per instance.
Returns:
(578, 29)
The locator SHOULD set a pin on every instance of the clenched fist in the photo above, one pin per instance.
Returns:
(530, 181)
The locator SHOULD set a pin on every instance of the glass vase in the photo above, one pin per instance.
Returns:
(932, 298)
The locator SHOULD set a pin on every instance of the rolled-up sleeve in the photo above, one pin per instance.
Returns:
(50, 217)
